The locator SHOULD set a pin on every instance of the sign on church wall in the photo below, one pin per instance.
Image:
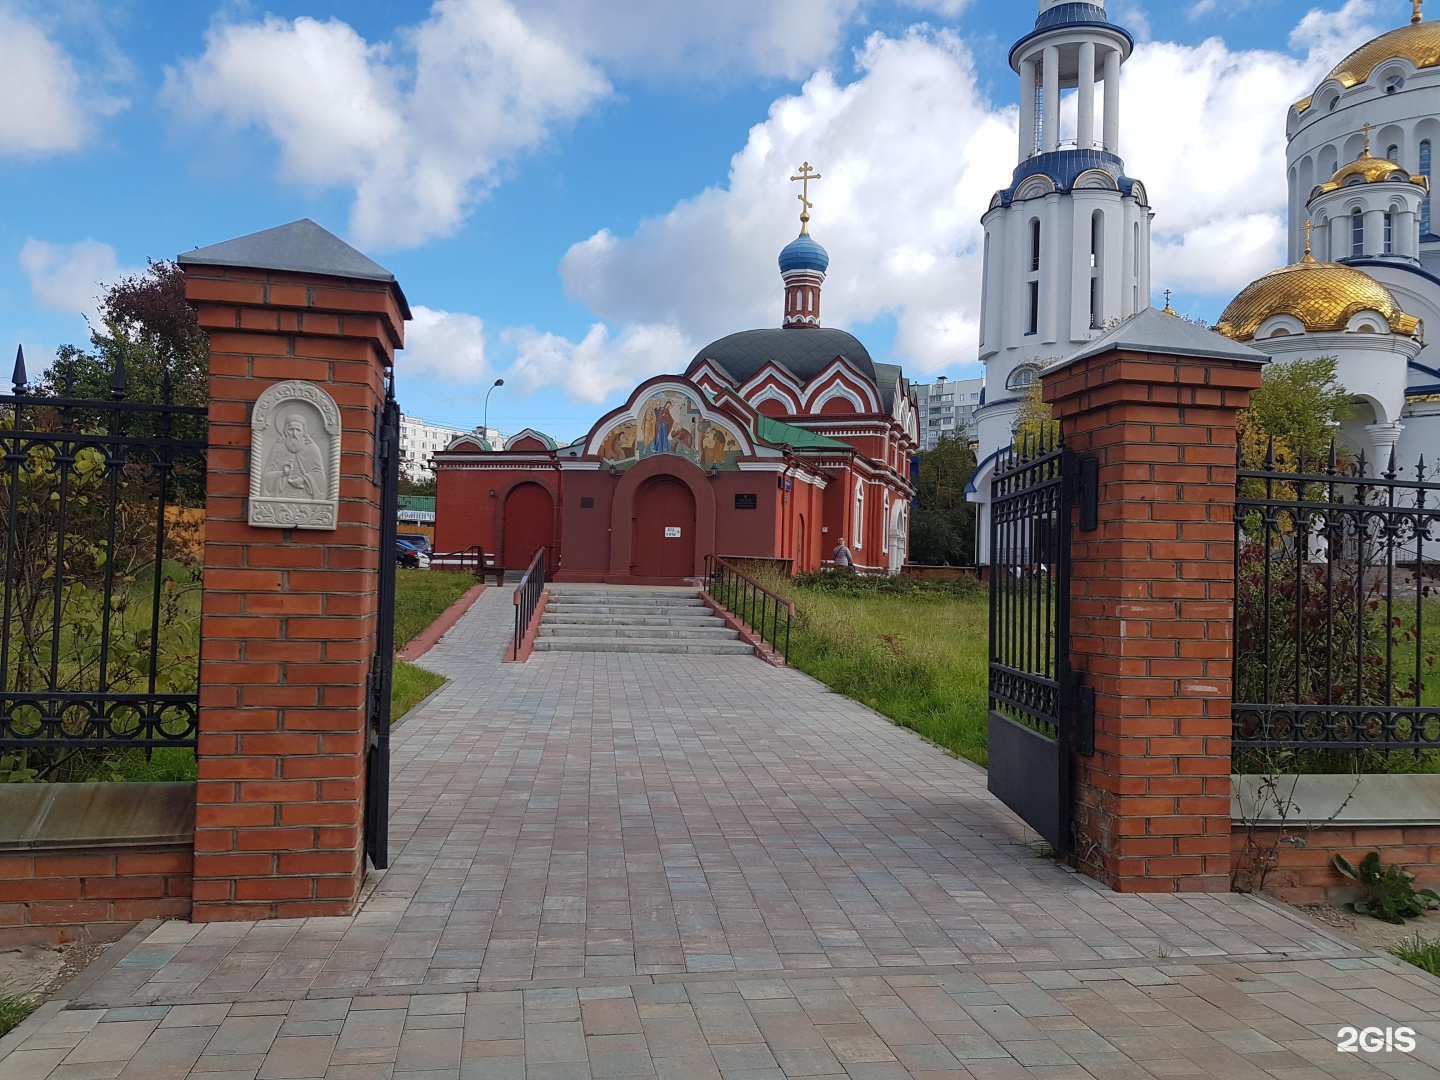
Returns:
(671, 422)
(295, 458)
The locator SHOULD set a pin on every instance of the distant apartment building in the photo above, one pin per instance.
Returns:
(948, 408)
(419, 439)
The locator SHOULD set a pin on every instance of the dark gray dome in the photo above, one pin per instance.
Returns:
(804, 352)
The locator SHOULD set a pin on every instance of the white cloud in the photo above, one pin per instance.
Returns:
(44, 108)
(647, 38)
(444, 345)
(418, 129)
(911, 152)
(72, 277)
(596, 367)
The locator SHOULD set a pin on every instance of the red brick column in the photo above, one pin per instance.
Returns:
(289, 616)
(1153, 604)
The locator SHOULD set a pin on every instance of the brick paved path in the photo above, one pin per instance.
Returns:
(698, 867)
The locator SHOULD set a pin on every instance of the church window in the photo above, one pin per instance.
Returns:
(1389, 234)
(1034, 245)
(1357, 234)
(1425, 172)
(1394, 84)
(1033, 326)
(859, 528)
(1097, 266)
(1393, 153)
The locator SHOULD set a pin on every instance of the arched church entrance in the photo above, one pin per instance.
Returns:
(529, 524)
(662, 535)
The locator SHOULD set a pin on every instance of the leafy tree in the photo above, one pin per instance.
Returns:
(423, 486)
(942, 531)
(1299, 405)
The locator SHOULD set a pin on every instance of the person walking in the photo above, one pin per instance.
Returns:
(842, 558)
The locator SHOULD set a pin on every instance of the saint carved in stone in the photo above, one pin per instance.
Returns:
(295, 458)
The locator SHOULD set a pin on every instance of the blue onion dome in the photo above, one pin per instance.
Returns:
(803, 253)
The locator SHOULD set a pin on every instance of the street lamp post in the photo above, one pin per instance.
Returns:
(485, 423)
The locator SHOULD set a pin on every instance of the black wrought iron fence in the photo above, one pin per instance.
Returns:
(99, 620)
(764, 611)
(1337, 614)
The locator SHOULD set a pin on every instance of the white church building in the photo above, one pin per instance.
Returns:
(1067, 245)
(1364, 283)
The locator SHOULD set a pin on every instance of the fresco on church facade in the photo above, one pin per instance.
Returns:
(671, 422)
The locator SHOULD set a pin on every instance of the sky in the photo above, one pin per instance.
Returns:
(576, 195)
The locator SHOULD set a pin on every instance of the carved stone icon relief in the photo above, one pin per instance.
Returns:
(295, 458)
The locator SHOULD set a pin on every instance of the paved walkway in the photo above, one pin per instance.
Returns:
(704, 867)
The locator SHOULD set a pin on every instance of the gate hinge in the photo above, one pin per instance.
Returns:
(1087, 494)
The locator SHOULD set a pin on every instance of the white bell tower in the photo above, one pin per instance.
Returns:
(1067, 244)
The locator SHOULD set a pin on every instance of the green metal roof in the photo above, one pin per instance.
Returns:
(776, 433)
(422, 503)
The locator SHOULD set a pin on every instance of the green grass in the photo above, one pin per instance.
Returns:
(15, 1008)
(421, 597)
(1422, 953)
(410, 685)
(917, 656)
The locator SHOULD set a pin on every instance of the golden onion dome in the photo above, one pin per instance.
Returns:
(1419, 43)
(1324, 296)
(1372, 170)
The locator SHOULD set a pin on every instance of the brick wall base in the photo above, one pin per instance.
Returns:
(1299, 860)
(60, 895)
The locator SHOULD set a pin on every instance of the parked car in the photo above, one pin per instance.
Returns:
(409, 556)
(419, 541)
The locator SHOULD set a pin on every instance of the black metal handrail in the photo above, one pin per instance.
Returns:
(472, 559)
(753, 604)
(527, 597)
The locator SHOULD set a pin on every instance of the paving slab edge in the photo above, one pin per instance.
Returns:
(76, 985)
(768, 975)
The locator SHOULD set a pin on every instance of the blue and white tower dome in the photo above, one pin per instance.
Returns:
(803, 264)
(1067, 244)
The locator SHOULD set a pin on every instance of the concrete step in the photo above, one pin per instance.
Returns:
(552, 618)
(666, 633)
(630, 611)
(643, 645)
(581, 600)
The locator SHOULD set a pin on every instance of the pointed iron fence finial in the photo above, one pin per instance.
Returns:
(1420, 469)
(119, 384)
(1361, 465)
(1391, 472)
(167, 390)
(1270, 455)
(1331, 467)
(20, 380)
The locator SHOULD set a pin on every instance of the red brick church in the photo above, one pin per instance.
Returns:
(774, 444)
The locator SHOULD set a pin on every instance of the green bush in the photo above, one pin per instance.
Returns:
(1390, 893)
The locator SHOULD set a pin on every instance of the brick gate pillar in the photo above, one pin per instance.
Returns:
(1153, 597)
(289, 615)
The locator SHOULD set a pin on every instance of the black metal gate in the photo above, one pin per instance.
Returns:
(377, 759)
(1038, 710)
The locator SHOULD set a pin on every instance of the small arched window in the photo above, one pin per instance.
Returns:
(859, 525)
(1357, 234)
(1393, 153)
(1022, 378)
(1389, 234)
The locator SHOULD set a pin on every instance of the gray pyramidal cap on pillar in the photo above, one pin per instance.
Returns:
(301, 247)
(1154, 331)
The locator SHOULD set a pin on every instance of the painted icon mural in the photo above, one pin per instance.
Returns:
(671, 422)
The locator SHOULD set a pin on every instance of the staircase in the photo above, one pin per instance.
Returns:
(613, 619)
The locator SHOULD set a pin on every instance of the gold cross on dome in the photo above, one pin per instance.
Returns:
(1417, 16)
(1366, 152)
(806, 175)
(1309, 228)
